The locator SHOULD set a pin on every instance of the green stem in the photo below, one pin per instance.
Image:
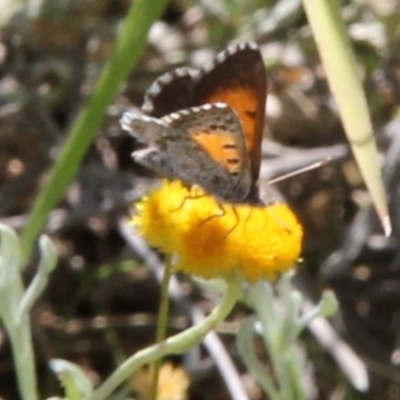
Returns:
(263, 302)
(343, 76)
(173, 345)
(21, 344)
(283, 359)
(15, 305)
(132, 38)
(17, 324)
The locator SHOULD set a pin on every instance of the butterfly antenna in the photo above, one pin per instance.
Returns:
(299, 171)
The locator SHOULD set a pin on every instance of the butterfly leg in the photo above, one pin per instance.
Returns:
(187, 198)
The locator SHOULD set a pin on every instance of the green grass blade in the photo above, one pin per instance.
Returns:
(341, 70)
(131, 40)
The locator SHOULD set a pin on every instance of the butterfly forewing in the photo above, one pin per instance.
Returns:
(237, 77)
(171, 92)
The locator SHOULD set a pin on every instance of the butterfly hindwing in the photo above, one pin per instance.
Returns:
(202, 145)
(145, 129)
(156, 160)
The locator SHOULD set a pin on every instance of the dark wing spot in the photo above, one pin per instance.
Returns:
(250, 114)
(233, 161)
(229, 146)
(216, 181)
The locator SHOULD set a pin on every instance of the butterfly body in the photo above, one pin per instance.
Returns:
(205, 126)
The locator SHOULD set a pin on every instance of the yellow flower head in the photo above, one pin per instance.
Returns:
(213, 239)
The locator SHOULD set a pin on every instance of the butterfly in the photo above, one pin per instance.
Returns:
(205, 126)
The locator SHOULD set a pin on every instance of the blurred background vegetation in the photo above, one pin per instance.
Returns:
(101, 302)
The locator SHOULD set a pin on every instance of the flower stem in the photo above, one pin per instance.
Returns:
(176, 344)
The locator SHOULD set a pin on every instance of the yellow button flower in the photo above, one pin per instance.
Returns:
(213, 239)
